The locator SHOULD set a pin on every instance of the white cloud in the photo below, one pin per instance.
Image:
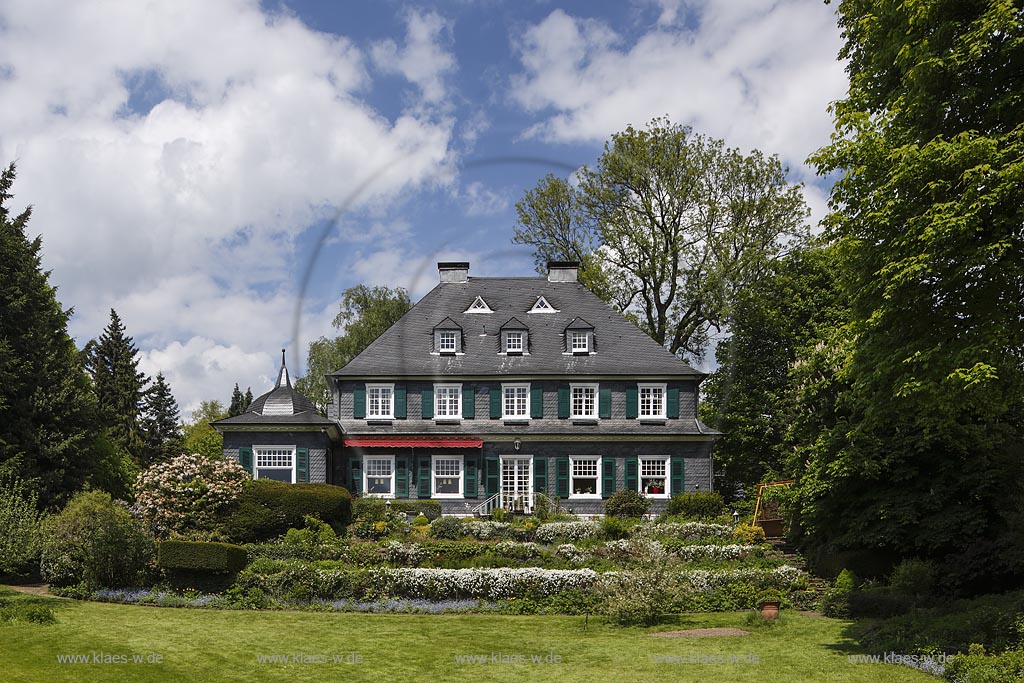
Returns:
(477, 200)
(423, 61)
(758, 75)
(184, 213)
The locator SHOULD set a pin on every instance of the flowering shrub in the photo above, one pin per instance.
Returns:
(485, 529)
(572, 554)
(448, 528)
(516, 550)
(688, 531)
(714, 552)
(488, 584)
(569, 531)
(188, 493)
(20, 522)
(748, 533)
(408, 554)
(784, 578)
(643, 549)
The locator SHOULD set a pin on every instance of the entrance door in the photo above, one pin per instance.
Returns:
(517, 483)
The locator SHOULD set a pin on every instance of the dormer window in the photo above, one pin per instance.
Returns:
(542, 306)
(479, 306)
(579, 338)
(447, 341)
(514, 341)
(514, 338)
(579, 342)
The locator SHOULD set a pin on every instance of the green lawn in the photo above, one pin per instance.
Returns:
(210, 645)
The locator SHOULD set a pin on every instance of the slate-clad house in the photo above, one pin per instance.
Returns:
(488, 392)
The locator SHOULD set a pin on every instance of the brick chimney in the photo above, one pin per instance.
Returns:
(453, 271)
(563, 271)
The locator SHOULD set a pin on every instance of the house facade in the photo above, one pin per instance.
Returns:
(496, 392)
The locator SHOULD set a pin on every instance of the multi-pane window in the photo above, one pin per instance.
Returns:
(447, 341)
(585, 473)
(380, 475)
(448, 400)
(652, 400)
(513, 342)
(447, 475)
(275, 462)
(578, 342)
(654, 476)
(516, 401)
(379, 400)
(584, 400)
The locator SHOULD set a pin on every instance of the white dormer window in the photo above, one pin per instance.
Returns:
(447, 341)
(479, 306)
(542, 306)
(514, 342)
(579, 343)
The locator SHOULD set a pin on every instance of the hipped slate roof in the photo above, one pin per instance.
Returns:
(623, 349)
(280, 405)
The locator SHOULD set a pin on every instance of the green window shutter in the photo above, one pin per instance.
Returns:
(604, 403)
(491, 478)
(302, 465)
(468, 403)
(563, 401)
(608, 478)
(401, 478)
(677, 482)
(632, 402)
(537, 403)
(540, 475)
(359, 401)
(470, 488)
(424, 477)
(427, 399)
(562, 477)
(632, 482)
(245, 459)
(495, 403)
(672, 403)
(400, 403)
(356, 475)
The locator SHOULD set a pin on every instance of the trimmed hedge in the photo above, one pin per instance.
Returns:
(269, 508)
(697, 505)
(431, 509)
(200, 556)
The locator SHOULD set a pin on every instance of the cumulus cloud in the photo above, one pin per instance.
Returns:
(424, 60)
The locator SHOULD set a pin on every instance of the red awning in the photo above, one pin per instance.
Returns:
(415, 443)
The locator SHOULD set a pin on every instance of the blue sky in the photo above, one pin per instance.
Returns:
(184, 159)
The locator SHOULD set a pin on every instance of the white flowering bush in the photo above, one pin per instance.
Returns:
(641, 549)
(714, 552)
(409, 554)
(569, 531)
(572, 554)
(487, 584)
(486, 529)
(687, 531)
(703, 581)
(187, 493)
(517, 550)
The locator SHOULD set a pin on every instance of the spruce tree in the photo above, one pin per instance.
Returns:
(237, 406)
(114, 364)
(161, 426)
(248, 399)
(47, 413)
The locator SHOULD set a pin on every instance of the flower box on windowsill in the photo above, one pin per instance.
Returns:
(585, 421)
(653, 420)
(378, 421)
(447, 420)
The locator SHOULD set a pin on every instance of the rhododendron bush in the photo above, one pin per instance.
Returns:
(188, 493)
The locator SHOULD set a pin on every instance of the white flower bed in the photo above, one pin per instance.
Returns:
(485, 529)
(715, 552)
(570, 531)
(404, 553)
(517, 550)
(635, 548)
(687, 531)
(488, 584)
(572, 554)
(703, 580)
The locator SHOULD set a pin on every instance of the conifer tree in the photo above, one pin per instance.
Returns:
(248, 399)
(237, 406)
(161, 424)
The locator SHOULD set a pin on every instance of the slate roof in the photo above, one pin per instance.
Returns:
(405, 348)
(280, 405)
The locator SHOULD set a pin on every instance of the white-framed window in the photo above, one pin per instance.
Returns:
(585, 476)
(380, 402)
(583, 400)
(514, 342)
(274, 462)
(515, 401)
(652, 400)
(448, 401)
(379, 475)
(578, 341)
(479, 306)
(446, 476)
(542, 306)
(654, 479)
(447, 341)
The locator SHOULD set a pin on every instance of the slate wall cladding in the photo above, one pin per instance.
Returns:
(317, 443)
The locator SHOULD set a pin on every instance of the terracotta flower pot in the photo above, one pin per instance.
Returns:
(770, 609)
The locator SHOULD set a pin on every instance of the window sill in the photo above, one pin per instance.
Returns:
(447, 496)
(379, 420)
(585, 420)
(653, 420)
(584, 496)
(447, 420)
(516, 420)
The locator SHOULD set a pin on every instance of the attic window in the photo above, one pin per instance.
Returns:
(447, 341)
(479, 306)
(542, 306)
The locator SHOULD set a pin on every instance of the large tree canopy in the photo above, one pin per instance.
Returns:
(668, 226)
(366, 312)
(926, 457)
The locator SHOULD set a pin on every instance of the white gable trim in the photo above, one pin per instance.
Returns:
(478, 306)
(542, 306)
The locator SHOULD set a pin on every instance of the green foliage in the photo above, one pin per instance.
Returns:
(47, 409)
(421, 520)
(923, 435)
(449, 528)
(199, 436)
(269, 508)
(239, 401)
(188, 494)
(668, 225)
(115, 471)
(627, 504)
(431, 509)
(113, 363)
(19, 526)
(916, 578)
(614, 528)
(366, 312)
(25, 612)
(977, 667)
(705, 505)
(201, 557)
(749, 534)
(162, 437)
(94, 541)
